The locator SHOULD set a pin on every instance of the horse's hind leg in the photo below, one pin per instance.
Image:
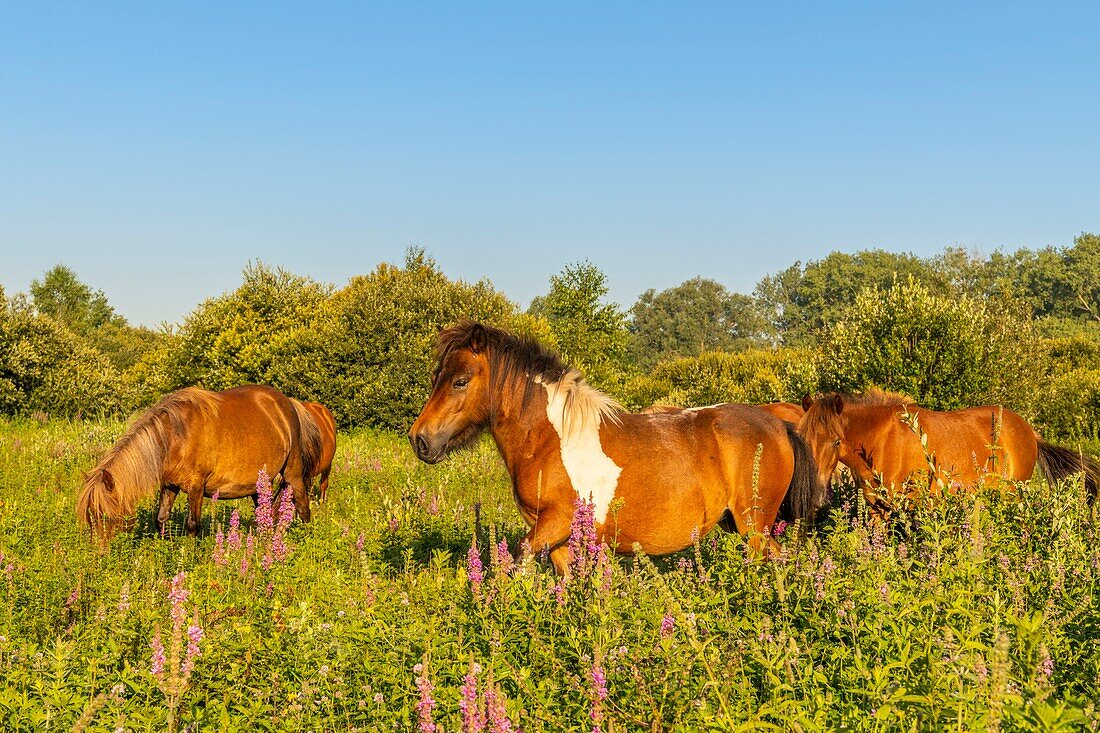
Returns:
(168, 496)
(194, 514)
(324, 484)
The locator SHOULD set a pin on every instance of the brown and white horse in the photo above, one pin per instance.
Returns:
(202, 443)
(326, 424)
(788, 412)
(653, 479)
(873, 435)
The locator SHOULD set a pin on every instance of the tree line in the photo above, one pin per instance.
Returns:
(1020, 329)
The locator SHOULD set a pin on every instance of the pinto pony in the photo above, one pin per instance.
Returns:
(653, 479)
(202, 443)
(874, 435)
(326, 424)
(788, 412)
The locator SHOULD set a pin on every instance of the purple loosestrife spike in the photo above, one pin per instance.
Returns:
(495, 711)
(286, 509)
(234, 540)
(265, 517)
(157, 666)
(473, 718)
(668, 626)
(194, 636)
(359, 542)
(219, 548)
(598, 691)
(474, 570)
(505, 563)
(177, 596)
(426, 703)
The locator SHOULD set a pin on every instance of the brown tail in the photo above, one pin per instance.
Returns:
(310, 441)
(1056, 463)
(805, 495)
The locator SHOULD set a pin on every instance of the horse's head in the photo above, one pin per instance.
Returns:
(458, 408)
(822, 427)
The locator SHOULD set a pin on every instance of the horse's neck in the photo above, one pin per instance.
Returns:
(521, 429)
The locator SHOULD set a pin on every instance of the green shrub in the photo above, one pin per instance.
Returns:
(1070, 408)
(45, 367)
(370, 354)
(945, 352)
(753, 376)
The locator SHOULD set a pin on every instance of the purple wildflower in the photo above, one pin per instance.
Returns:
(426, 703)
(73, 597)
(219, 547)
(503, 558)
(194, 636)
(473, 718)
(177, 596)
(234, 540)
(474, 570)
(359, 542)
(598, 680)
(157, 667)
(265, 517)
(495, 712)
(583, 546)
(668, 626)
(286, 509)
(779, 528)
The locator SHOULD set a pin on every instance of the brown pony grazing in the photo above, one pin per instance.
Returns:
(652, 479)
(871, 435)
(202, 443)
(326, 424)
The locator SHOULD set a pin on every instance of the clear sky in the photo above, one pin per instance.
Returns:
(157, 147)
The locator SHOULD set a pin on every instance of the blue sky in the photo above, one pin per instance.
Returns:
(156, 148)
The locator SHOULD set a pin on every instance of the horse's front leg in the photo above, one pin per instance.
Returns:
(168, 496)
(550, 533)
(194, 513)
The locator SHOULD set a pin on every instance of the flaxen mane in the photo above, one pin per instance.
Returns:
(521, 359)
(136, 461)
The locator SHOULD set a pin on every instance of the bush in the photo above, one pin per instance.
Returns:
(371, 353)
(754, 376)
(947, 353)
(45, 367)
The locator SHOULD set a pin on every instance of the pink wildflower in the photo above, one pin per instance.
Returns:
(234, 540)
(495, 712)
(157, 667)
(265, 517)
(426, 703)
(473, 718)
(474, 570)
(668, 626)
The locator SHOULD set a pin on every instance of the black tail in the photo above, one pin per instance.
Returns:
(805, 496)
(1056, 463)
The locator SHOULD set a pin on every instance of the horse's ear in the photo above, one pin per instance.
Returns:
(108, 480)
(838, 403)
(479, 339)
(807, 402)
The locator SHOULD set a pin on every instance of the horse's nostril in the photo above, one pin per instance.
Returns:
(421, 446)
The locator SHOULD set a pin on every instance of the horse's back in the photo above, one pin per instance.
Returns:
(961, 438)
(251, 427)
(326, 424)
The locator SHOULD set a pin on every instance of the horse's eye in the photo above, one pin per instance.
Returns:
(836, 443)
(461, 383)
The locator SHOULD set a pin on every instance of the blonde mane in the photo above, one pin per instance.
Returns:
(582, 405)
(136, 461)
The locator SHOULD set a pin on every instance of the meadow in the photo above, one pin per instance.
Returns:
(981, 612)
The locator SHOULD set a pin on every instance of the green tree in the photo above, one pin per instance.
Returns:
(696, 316)
(371, 355)
(61, 295)
(947, 352)
(590, 332)
(243, 337)
(800, 302)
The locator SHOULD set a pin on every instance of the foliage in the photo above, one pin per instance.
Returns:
(696, 316)
(801, 301)
(945, 352)
(61, 295)
(753, 376)
(590, 332)
(242, 337)
(983, 615)
(370, 354)
(45, 367)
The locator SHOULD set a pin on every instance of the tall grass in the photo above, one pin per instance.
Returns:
(980, 613)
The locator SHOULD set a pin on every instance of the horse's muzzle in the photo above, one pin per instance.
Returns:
(424, 450)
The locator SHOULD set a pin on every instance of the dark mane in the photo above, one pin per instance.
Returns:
(509, 355)
(521, 360)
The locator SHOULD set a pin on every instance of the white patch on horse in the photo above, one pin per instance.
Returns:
(593, 474)
(706, 407)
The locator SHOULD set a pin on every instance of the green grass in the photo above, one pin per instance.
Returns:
(945, 623)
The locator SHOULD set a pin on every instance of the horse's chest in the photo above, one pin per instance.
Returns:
(592, 473)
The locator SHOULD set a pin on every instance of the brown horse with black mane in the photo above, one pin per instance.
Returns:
(202, 443)
(653, 479)
(876, 436)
